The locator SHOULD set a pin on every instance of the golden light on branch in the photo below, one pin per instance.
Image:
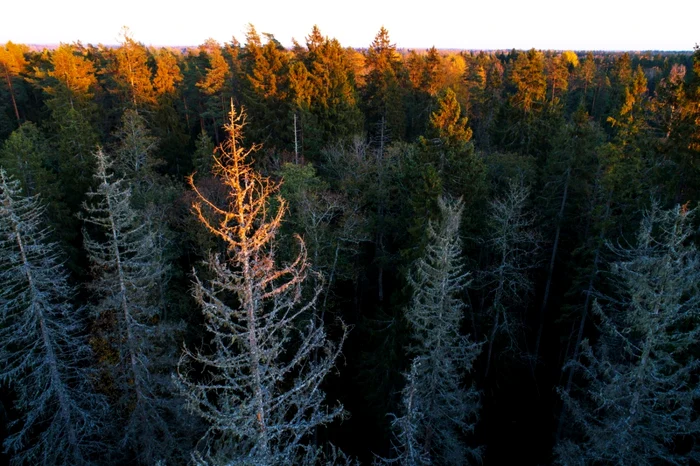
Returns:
(266, 391)
(244, 222)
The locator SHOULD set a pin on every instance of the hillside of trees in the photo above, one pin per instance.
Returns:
(246, 254)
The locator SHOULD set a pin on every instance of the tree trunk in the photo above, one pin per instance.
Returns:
(51, 358)
(493, 337)
(560, 217)
(584, 314)
(12, 95)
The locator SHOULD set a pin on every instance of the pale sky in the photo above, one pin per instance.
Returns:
(462, 24)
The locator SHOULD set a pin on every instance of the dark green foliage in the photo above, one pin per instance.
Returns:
(365, 142)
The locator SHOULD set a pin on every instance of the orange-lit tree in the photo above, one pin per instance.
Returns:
(12, 63)
(259, 390)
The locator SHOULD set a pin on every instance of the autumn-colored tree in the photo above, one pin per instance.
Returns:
(448, 124)
(450, 152)
(558, 70)
(168, 74)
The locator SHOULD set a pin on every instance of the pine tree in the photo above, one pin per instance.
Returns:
(12, 63)
(528, 76)
(260, 389)
(438, 409)
(127, 274)
(214, 84)
(44, 354)
(71, 87)
(132, 73)
(638, 406)
(168, 75)
(383, 96)
(72, 82)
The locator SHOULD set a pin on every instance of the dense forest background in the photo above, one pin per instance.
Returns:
(495, 260)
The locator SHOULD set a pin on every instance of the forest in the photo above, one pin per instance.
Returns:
(246, 254)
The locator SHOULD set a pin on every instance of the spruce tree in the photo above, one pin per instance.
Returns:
(638, 402)
(258, 385)
(410, 450)
(126, 269)
(514, 245)
(44, 354)
(438, 408)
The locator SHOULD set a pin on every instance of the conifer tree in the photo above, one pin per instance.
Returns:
(333, 100)
(12, 63)
(638, 404)
(72, 81)
(168, 75)
(44, 354)
(127, 274)
(514, 245)
(214, 85)
(260, 387)
(132, 73)
(382, 91)
(26, 156)
(410, 451)
(438, 409)
(71, 85)
(134, 154)
(202, 157)
(528, 76)
(448, 148)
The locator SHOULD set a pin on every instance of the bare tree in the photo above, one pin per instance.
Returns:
(514, 245)
(259, 387)
(410, 450)
(44, 355)
(127, 272)
(638, 405)
(438, 409)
